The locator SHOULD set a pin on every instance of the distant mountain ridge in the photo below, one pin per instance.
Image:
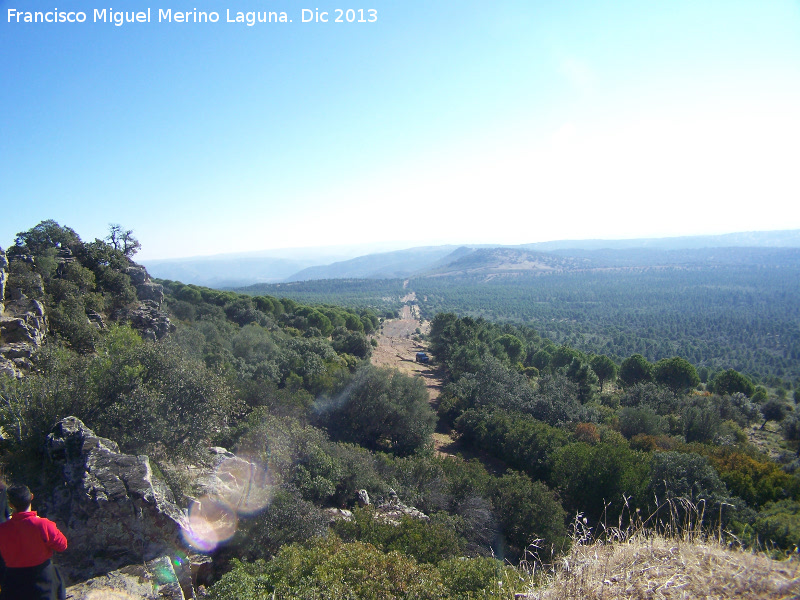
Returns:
(788, 238)
(384, 265)
(507, 260)
(540, 257)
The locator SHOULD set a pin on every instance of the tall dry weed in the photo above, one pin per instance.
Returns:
(670, 554)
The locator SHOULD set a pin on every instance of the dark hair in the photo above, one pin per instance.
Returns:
(19, 496)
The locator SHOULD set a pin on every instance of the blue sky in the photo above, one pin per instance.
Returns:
(442, 122)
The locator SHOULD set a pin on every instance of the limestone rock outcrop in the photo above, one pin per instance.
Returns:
(390, 511)
(23, 324)
(146, 317)
(111, 507)
(145, 288)
(3, 279)
(151, 322)
(154, 580)
(393, 510)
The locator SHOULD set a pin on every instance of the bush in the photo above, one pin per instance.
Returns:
(381, 409)
(676, 475)
(701, 422)
(153, 393)
(779, 523)
(521, 441)
(288, 519)
(644, 420)
(592, 478)
(329, 569)
(756, 481)
(473, 578)
(528, 511)
(426, 542)
(660, 399)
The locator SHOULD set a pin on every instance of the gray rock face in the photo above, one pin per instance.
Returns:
(393, 510)
(150, 291)
(23, 326)
(145, 289)
(150, 321)
(337, 514)
(95, 319)
(3, 279)
(153, 580)
(111, 508)
(138, 274)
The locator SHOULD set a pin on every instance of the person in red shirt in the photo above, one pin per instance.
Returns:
(27, 543)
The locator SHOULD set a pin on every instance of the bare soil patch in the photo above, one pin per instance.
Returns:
(397, 349)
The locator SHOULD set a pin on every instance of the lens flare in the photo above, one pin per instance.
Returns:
(211, 522)
(244, 485)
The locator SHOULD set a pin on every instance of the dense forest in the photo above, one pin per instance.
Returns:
(741, 313)
(607, 437)
(290, 385)
(746, 318)
(378, 294)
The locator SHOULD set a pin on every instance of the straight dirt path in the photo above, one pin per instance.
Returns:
(397, 348)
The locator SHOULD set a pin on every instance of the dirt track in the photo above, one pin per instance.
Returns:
(397, 349)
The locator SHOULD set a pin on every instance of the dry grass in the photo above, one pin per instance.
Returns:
(655, 567)
(679, 563)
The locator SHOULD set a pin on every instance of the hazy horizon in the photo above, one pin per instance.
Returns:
(506, 123)
(355, 251)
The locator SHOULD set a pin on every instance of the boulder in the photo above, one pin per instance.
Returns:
(150, 321)
(337, 514)
(95, 319)
(64, 257)
(112, 509)
(23, 327)
(9, 368)
(138, 274)
(3, 279)
(153, 580)
(150, 291)
(393, 510)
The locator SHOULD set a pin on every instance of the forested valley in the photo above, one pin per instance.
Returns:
(731, 308)
(645, 414)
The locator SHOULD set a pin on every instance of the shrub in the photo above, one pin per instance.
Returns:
(473, 578)
(700, 422)
(329, 569)
(756, 481)
(779, 523)
(679, 475)
(426, 542)
(529, 511)
(644, 420)
(590, 478)
(288, 519)
(381, 408)
(660, 399)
